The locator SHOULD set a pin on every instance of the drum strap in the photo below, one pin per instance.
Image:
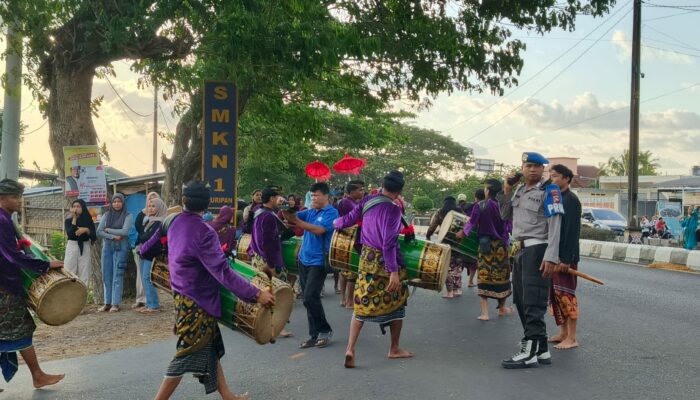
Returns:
(380, 200)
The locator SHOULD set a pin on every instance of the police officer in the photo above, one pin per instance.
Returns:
(537, 258)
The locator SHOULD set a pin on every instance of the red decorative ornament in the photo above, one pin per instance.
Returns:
(318, 170)
(349, 165)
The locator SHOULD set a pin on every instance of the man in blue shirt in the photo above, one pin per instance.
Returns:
(317, 223)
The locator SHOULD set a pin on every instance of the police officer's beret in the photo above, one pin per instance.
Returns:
(536, 158)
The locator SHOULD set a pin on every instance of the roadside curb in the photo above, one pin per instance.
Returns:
(640, 254)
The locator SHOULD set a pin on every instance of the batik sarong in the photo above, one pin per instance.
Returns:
(454, 275)
(562, 295)
(199, 343)
(373, 303)
(261, 265)
(494, 272)
(16, 330)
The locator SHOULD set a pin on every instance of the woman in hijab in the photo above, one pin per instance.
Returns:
(224, 227)
(114, 230)
(155, 212)
(140, 226)
(81, 235)
(690, 224)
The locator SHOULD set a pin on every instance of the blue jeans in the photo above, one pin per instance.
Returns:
(114, 253)
(152, 301)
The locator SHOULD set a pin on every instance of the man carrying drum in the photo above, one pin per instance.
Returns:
(16, 324)
(197, 267)
(380, 295)
(536, 230)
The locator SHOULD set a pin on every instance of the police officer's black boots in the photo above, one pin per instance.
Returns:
(526, 358)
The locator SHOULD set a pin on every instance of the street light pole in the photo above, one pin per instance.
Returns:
(9, 161)
(633, 166)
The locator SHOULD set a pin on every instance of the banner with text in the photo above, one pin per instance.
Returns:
(85, 176)
(219, 143)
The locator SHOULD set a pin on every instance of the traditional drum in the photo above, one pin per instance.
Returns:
(452, 223)
(426, 262)
(56, 297)
(242, 247)
(253, 320)
(290, 251)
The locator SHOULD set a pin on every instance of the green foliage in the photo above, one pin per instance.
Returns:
(58, 245)
(618, 166)
(602, 235)
(422, 204)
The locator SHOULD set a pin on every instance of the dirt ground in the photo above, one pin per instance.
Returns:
(95, 332)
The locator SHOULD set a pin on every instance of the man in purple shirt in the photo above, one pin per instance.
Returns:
(197, 267)
(355, 192)
(265, 250)
(16, 324)
(380, 295)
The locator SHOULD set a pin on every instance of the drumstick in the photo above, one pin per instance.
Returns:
(585, 276)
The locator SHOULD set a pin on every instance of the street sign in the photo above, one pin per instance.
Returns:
(484, 165)
(219, 143)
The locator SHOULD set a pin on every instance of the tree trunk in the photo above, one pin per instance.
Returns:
(186, 160)
(69, 110)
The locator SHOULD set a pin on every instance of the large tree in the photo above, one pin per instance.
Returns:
(285, 55)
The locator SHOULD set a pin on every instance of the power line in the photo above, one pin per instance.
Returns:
(672, 51)
(122, 100)
(676, 7)
(671, 15)
(672, 38)
(548, 82)
(37, 129)
(606, 113)
(164, 118)
(538, 72)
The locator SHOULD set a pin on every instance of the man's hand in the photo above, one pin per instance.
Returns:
(507, 187)
(563, 268)
(548, 268)
(394, 282)
(291, 218)
(55, 264)
(460, 234)
(265, 298)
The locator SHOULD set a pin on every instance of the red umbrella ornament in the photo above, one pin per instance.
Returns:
(349, 165)
(318, 170)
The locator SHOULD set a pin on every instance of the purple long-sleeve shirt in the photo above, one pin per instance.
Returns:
(488, 221)
(198, 265)
(381, 226)
(345, 206)
(265, 239)
(13, 260)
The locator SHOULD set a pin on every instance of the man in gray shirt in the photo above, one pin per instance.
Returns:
(537, 258)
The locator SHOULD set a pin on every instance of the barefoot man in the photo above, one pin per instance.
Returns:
(197, 267)
(16, 324)
(380, 293)
(563, 292)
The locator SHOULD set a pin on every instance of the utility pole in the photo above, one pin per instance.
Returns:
(633, 167)
(9, 160)
(155, 128)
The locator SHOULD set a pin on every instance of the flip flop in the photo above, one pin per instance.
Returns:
(308, 344)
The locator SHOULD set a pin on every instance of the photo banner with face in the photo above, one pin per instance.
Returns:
(85, 176)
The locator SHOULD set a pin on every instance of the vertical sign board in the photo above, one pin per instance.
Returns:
(219, 143)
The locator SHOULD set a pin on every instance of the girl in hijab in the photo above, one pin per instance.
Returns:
(155, 212)
(140, 226)
(225, 229)
(114, 230)
(81, 235)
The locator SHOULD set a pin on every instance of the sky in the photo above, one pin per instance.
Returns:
(572, 101)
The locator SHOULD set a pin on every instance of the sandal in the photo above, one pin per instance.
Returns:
(308, 344)
(149, 311)
(324, 339)
(114, 309)
(104, 308)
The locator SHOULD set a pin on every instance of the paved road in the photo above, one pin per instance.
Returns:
(639, 337)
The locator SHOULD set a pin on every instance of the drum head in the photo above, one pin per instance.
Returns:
(445, 226)
(262, 327)
(284, 302)
(444, 265)
(62, 302)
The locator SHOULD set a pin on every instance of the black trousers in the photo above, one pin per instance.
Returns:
(311, 279)
(531, 291)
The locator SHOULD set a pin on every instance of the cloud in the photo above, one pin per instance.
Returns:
(649, 52)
